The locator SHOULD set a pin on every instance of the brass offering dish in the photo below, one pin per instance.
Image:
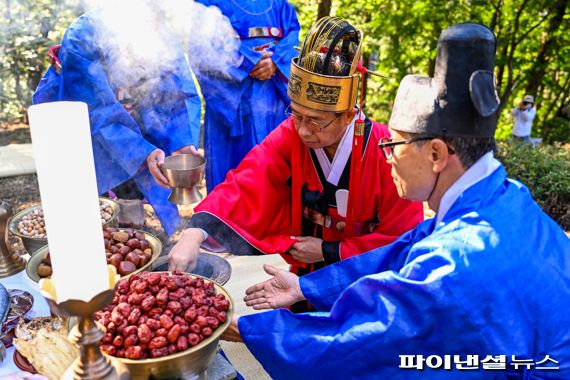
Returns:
(191, 363)
(32, 244)
(184, 172)
(40, 254)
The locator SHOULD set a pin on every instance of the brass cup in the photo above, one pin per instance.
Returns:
(184, 172)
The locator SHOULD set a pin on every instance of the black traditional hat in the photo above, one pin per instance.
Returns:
(461, 99)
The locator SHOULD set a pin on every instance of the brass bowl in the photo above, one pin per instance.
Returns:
(186, 364)
(33, 244)
(184, 172)
(40, 254)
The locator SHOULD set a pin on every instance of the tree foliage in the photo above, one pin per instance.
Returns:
(533, 50)
(27, 29)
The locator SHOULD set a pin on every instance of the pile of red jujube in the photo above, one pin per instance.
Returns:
(158, 314)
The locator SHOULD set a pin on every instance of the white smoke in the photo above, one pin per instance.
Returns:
(142, 38)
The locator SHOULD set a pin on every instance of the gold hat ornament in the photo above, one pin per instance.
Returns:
(325, 75)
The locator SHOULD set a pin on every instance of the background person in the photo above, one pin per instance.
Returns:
(246, 102)
(139, 110)
(523, 116)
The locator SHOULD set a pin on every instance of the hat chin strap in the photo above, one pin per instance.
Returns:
(433, 188)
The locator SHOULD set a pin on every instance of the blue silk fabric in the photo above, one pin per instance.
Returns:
(167, 116)
(241, 110)
(493, 278)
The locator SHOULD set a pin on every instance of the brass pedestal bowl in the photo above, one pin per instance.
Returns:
(40, 254)
(32, 244)
(189, 364)
(184, 172)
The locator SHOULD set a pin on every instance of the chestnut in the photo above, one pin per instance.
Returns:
(111, 229)
(133, 258)
(144, 244)
(107, 243)
(131, 232)
(120, 236)
(126, 267)
(114, 249)
(44, 270)
(115, 260)
(133, 243)
(107, 235)
(124, 250)
(139, 235)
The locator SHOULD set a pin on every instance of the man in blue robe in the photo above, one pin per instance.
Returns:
(133, 125)
(483, 285)
(247, 101)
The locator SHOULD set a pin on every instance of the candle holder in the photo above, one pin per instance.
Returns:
(91, 364)
(10, 262)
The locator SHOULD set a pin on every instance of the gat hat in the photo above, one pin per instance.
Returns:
(461, 99)
(324, 77)
(528, 99)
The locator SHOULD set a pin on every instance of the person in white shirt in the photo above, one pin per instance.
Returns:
(524, 115)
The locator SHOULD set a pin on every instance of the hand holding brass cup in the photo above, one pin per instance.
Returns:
(184, 172)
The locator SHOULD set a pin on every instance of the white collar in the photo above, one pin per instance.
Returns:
(481, 169)
(333, 171)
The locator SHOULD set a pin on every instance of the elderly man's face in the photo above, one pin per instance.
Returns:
(319, 129)
(412, 169)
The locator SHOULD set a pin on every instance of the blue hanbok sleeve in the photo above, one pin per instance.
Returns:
(171, 112)
(374, 320)
(117, 139)
(284, 51)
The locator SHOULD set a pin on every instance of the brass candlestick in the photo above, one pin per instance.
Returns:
(91, 364)
(10, 262)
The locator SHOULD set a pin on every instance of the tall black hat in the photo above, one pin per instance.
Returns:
(461, 98)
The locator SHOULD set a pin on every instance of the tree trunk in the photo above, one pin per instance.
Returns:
(324, 9)
(538, 69)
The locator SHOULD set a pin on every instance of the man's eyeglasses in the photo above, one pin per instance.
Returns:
(311, 124)
(387, 145)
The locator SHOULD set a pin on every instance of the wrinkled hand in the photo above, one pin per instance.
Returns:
(184, 255)
(188, 149)
(307, 249)
(154, 160)
(265, 68)
(280, 291)
(232, 332)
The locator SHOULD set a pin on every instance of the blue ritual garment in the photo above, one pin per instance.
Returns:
(241, 110)
(164, 112)
(492, 278)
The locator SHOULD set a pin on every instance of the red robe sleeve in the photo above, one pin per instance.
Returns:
(396, 215)
(250, 212)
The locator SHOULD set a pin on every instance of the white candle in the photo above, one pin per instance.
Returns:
(61, 142)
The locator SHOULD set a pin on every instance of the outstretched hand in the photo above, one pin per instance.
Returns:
(281, 290)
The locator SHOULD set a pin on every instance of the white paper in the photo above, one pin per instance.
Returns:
(61, 142)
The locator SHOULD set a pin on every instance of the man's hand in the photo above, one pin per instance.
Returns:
(265, 68)
(184, 255)
(232, 332)
(307, 249)
(188, 149)
(154, 160)
(281, 290)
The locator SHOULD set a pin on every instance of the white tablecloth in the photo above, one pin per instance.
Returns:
(40, 308)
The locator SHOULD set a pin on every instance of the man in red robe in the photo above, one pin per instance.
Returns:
(290, 194)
